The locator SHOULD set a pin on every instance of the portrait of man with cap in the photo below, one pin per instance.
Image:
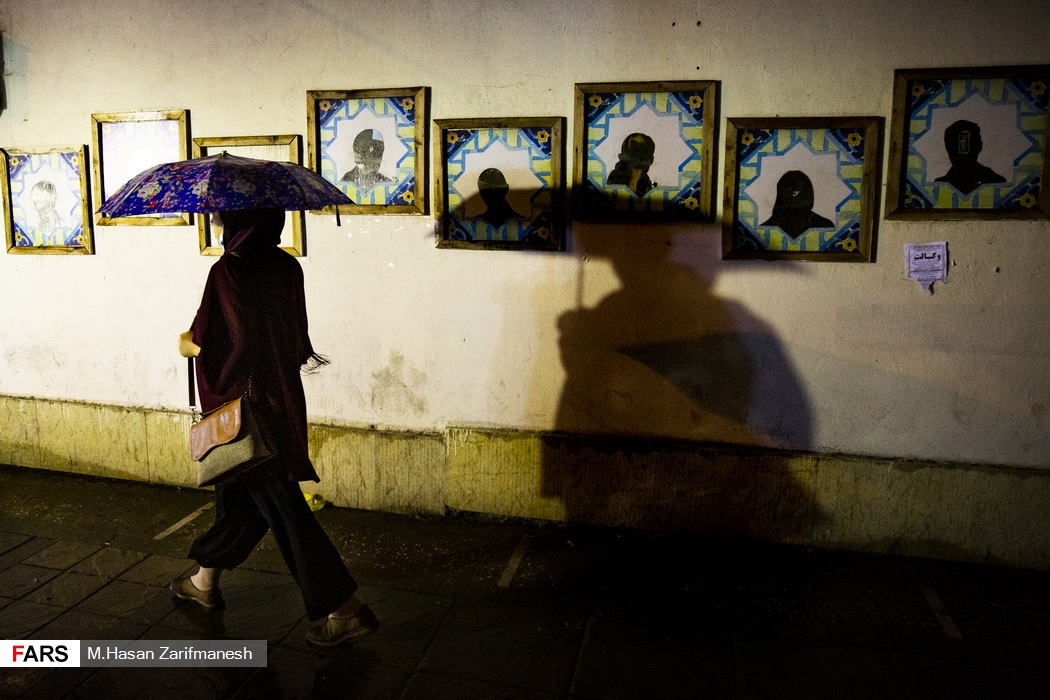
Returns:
(632, 169)
(493, 189)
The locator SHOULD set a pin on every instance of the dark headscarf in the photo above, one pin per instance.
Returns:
(251, 230)
(252, 330)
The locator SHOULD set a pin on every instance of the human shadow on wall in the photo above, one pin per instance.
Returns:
(497, 216)
(662, 376)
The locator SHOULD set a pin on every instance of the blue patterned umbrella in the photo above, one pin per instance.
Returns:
(221, 183)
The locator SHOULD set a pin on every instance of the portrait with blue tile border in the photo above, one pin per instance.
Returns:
(647, 151)
(371, 145)
(970, 143)
(801, 188)
(46, 201)
(500, 183)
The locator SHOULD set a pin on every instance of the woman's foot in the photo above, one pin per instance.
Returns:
(205, 579)
(184, 589)
(337, 630)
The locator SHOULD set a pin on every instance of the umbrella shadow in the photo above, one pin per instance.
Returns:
(654, 370)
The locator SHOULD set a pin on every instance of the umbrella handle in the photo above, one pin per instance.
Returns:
(189, 376)
(579, 282)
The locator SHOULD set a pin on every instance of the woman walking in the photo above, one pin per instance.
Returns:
(250, 335)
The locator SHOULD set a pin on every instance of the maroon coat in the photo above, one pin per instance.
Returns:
(252, 329)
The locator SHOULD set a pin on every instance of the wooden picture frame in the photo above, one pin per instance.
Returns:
(126, 143)
(500, 183)
(372, 145)
(281, 147)
(969, 143)
(47, 203)
(801, 188)
(646, 151)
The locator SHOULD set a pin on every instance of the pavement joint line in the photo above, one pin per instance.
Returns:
(184, 521)
(941, 612)
(515, 561)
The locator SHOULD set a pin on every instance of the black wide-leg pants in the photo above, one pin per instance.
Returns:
(246, 508)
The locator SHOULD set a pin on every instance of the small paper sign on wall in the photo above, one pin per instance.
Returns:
(926, 263)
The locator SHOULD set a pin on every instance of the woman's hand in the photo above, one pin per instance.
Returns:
(188, 348)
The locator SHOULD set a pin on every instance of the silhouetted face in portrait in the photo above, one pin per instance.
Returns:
(793, 210)
(632, 169)
(963, 142)
(493, 188)
(368, 155)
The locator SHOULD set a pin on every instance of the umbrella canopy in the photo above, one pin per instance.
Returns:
(221, 183)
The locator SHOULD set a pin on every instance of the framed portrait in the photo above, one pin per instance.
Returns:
(47, 208)
(801, 189)
(372, 145)
(645, 151)
(284, 147)
(969, 143)
(500, 183)
(126, 143)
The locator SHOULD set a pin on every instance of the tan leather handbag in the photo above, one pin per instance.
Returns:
(227, 441)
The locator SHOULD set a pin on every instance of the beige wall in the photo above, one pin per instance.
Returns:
(929, 509)
(840, 358)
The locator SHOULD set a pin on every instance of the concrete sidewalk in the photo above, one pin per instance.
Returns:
(475, 607)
